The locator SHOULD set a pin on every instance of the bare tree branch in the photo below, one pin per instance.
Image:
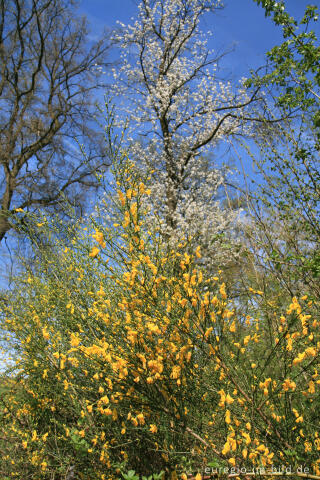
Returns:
(48, 76)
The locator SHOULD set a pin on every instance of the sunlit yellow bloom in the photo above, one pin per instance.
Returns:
(98, 236)
(153, 428)
(227, 416)
(45, 333)
(288, 385)
(233, 327)
(223, 291)
(176, 370)
(226, 449)
(294, 306)
(229, 399)
(122, 198)
(311, 388)
(299, 358)
(104, 399)
(94, 252)
(75, 340)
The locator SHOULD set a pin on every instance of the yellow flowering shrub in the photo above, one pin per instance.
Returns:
(127, 353)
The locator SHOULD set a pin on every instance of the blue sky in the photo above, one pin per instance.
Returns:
(241, 24)
(240, 27)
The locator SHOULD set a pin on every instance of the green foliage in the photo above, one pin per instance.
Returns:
(294, 66)
(131, 475)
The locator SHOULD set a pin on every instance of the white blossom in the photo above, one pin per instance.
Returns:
(178, 110)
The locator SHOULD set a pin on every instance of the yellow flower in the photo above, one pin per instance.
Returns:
(153, 327)
(104, 400)
(176, 370)
(94, 252)
(71, 307)
(294, 306)
(153, 428)
(140, 418)
(129, 193)
(98, 236)
(223, 291)
(233, 327)
(299, 358)
(75, 340)
(122, 198)
(229, 399)
(126, 220)
(45, 333)
(307, 447)
(209, 330)
(311, 351)
(288, 385)
(226, 448)
(247, 438)
(227, 417)
(311, 387)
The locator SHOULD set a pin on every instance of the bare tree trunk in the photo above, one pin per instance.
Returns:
(4, 226)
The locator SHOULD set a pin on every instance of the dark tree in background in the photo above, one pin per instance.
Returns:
(49, 73)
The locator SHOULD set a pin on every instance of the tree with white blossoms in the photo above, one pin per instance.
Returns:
(178, 109)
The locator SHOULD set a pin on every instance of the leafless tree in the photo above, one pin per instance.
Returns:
(49, 72)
